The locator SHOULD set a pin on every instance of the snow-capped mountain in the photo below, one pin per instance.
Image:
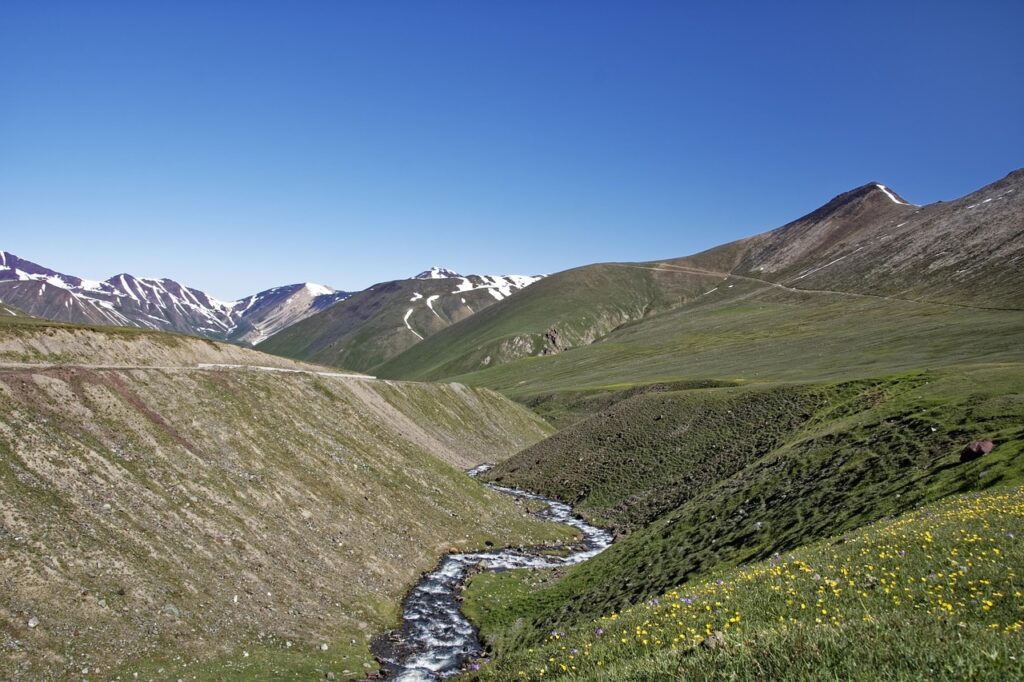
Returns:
(268, 312)
(374, 325)
(436, 298)
(499, 286)
(162, 304)
(437, 273)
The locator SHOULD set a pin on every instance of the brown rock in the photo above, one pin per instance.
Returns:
(552, 342)
(976, 449)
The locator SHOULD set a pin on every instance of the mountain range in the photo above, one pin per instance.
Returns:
(166, 305)
(158, 304)
(773, 422)
(370, 327)
(867, 244)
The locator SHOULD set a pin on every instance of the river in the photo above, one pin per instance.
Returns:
(435, 640)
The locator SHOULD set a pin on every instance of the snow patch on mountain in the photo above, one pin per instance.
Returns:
(499, 286)
(318, 289)
(409, 326)
(437, 273)
(430, 304)
(892, 196)
(160, 303)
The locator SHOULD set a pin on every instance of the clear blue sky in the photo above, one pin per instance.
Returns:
(240, 145)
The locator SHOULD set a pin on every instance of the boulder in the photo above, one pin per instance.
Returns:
(552, 342)
(976, 449)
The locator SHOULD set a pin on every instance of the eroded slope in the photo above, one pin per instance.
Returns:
(180, 516)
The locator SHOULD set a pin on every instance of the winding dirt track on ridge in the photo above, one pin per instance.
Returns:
(666, 267)
(200, 366)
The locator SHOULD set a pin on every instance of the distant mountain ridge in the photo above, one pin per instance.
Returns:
(160, 304)
(435, 298)
(372, 326)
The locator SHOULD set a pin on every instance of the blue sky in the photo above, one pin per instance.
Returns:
(240, 145)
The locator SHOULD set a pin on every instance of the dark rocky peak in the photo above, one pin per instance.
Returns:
(870, 193)
(11, 266)
(11, 262)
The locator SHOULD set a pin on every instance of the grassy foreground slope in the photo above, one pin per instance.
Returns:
(701, 479)
(642, 456)
(935, 593)
(226, 522)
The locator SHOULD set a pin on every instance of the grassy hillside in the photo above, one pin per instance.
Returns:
(580, 306)
(827, 377)
(864, 274)
(630, 463)
(933, 593)
(965, 251)
(764, 334)
(374, 325)
(737, 474)
(175, 521)
(563, 409)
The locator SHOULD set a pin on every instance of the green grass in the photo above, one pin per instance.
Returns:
(582, 304)
(935, 593)
(275, 658)
(564, 409)
(771, 336)
(646, 454)
(849, 454)
(640, 457)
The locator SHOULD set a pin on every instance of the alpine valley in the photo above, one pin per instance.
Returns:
(807, 445)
